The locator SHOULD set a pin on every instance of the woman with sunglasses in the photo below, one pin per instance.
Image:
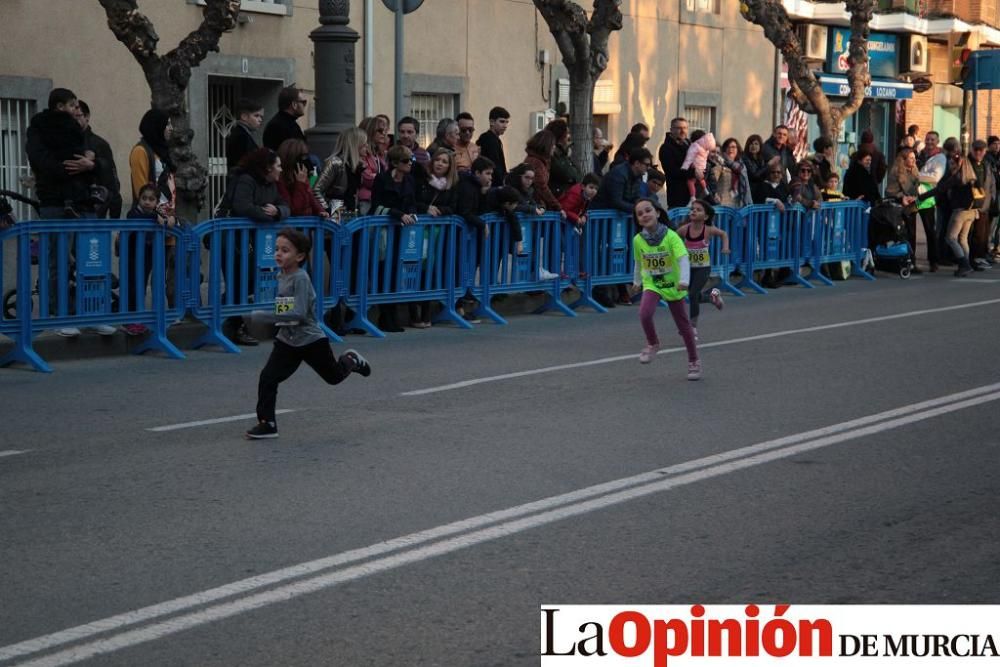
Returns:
(803, 189)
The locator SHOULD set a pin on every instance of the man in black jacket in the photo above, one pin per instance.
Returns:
(284, 125)
(672, 153)
(490, 145)
(64, 169)
(471, 203)
(777, 148)
(102, 149)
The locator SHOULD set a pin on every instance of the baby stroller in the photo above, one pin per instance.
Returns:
(887, 239)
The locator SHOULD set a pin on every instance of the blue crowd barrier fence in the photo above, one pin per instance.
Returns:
(77, 285)
(225, 268)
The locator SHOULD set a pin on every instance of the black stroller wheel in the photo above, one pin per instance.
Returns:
(10, 305)
(904, 273)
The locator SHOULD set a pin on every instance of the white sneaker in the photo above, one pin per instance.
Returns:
(69, 332)
(105, 330)
(545, 274)
(694, 370)
(716, 296)
(648, 354)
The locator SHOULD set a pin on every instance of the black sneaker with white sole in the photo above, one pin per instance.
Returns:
(361, 365)
(262, 431)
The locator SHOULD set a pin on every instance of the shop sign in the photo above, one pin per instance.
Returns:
(882, 60)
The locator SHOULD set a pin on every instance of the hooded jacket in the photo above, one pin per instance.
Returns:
(53, 137)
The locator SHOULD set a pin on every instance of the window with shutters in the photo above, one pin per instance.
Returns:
(15, 173)
(700, 118)
(429, 109)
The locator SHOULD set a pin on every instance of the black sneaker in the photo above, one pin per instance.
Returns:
(243, 337)
(262, 430)
(361, 365)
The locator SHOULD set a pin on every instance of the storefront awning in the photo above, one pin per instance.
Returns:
(881, 89)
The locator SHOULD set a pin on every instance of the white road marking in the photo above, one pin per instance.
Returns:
(14, 452)
(206, 422)
(701, 346)
(475, 530)
(980, 280)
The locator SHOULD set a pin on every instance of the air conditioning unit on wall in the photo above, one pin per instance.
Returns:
(539, 119)
(913, 55)
(813, 40)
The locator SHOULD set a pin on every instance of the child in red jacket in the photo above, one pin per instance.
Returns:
(576, 199)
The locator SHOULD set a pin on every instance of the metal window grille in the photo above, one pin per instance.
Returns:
(429, 109)
(221, 101)
(14, 169)
(703, 6)
(700, 118)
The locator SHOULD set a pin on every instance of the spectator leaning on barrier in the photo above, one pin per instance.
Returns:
(672, 153)
(256, 193)
(108, 177)
(576, 200)
(490, 145)
(621, 187)
(284, 124)
(656, 187)
(407, 130)
(831, 189)
(563, 174)
(803, 189)
(293, 186)
(772, 190)
(538, 154)
(395, 195)
(471, 203)
(241, 139)
(340, 179)
(522, 179)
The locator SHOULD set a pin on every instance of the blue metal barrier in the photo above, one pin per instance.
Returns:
(77, 285)
(399, 264)
(370, 261)
(505, 270)
(723, 266)
(242, 274)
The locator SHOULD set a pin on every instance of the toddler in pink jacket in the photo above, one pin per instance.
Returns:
(697, 157)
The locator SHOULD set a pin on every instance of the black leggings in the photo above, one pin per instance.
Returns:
(285, 360)
(699, 276)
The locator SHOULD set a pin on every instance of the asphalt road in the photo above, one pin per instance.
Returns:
(595, 481)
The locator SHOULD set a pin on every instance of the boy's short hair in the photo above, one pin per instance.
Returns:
(300, 241)
(656, 175)
(833, 176)
(499, 112)
(591, 179)
(398, 154)
(508, 195)
(246, 105)
(639, 154)
(481, 164)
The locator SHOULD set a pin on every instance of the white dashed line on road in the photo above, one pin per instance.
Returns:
(208, 422)
(13, 452)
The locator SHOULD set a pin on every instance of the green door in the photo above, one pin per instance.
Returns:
(948, 121)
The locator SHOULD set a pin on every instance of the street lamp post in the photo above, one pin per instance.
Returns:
(334, 66)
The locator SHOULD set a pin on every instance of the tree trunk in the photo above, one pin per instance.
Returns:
(581, 95)
(168, 77)
(804, 87)
(583, 45)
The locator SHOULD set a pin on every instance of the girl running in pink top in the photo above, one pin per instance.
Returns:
(697, 233)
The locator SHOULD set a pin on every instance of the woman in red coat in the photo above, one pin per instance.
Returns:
(539, 152)
(293, 185)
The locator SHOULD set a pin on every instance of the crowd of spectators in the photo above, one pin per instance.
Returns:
(375, 170)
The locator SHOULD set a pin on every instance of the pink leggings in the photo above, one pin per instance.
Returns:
(647, 309)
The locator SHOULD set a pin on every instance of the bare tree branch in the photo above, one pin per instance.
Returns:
(583, 45)
(805, 89)
(168, 77)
